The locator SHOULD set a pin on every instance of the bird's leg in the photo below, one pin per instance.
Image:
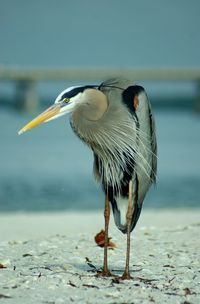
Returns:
(126, 275)
(105, 271)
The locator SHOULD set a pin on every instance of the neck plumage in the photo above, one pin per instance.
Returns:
(113, 139)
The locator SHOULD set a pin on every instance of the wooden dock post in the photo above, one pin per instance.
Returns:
(26, 95)
(197, 101)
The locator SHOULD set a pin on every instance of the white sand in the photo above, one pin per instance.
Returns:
(45, 259)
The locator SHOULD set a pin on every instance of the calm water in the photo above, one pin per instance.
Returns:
(48, 168)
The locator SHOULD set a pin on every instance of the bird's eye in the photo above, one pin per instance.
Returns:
(66, 100)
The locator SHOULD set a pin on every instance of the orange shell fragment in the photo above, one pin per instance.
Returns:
(100, 240)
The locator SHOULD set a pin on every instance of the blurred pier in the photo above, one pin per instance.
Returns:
(27, 79)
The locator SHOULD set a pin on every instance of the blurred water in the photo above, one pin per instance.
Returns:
(48, 168)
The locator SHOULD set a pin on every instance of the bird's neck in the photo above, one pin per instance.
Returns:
(110, 140)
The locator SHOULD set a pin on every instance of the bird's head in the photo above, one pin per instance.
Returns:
(90, 101)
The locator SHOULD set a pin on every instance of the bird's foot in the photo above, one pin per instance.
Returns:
(126, 276)
(104, 273)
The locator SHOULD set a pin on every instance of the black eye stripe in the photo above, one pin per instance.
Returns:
(77, 90)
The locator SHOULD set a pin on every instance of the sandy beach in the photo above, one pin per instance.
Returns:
(52, 258)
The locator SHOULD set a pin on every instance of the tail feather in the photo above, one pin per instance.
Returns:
(120, 221)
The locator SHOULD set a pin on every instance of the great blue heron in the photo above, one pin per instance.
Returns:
(115, 120)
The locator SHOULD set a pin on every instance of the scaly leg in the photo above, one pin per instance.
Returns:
(105, 272)
(126, 275)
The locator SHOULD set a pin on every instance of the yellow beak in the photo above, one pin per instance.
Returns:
(47, 115)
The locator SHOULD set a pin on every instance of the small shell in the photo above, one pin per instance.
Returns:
(100, 240)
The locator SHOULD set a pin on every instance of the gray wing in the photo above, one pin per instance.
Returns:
(153, 145)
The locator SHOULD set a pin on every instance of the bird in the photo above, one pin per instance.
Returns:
(115, 119)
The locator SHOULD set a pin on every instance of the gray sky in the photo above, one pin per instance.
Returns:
(100, 33)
